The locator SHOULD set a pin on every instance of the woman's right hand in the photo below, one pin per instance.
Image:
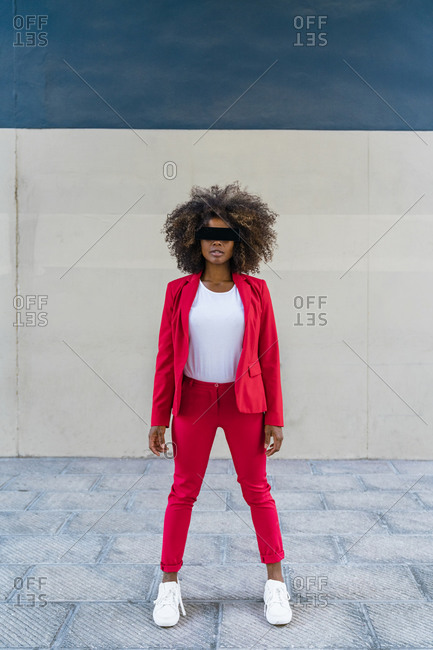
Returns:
(156, 440)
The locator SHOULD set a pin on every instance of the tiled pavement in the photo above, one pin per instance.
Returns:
(80, 542)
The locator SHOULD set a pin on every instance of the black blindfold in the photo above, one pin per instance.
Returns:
(224, 234)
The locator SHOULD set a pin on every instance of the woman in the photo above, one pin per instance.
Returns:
(218, 365)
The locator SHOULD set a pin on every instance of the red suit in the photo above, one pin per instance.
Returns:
(258, 379)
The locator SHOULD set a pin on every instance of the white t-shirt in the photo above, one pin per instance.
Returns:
(216, 332)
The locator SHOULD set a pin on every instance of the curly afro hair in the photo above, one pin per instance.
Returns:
(239, 209)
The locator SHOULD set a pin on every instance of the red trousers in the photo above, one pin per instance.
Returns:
(204, 407)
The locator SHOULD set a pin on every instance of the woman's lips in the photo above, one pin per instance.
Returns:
(217, 253)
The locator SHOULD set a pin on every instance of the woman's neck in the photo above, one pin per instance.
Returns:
(217, 273)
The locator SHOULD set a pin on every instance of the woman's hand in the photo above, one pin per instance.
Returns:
(156, 440)
(277, 434)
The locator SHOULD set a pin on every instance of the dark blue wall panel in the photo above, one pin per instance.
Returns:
(179, 64)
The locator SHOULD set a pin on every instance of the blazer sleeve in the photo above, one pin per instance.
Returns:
(269, 357)
(164, 383)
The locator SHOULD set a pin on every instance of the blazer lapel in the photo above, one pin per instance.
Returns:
(245, 294)
(188, 294)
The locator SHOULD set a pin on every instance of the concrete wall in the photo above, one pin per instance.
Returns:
(358, 386)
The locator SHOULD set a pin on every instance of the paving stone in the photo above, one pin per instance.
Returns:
(301, 483)
(413, 466)
(426, 498)
(297, 549)
(115, 522)
(221, 482)
(9, 573)
(287, 466)
(335, 582)
(30, 627)
(355, 466)
(36, 549)
(403, 626)
(108, 466)
(372, 500)
(329, 522)
(164, 465)
(424, 577)
(242, 549)
(131, 626)
(81, 501)
(62, 482)
(400, 482)
(129, 482)
(101, 582)
(223, 583)
(199, 549)
(15, 500)
(207, 500)
(284, 500)
(392, 548)
(4, 478)
(410, 522)
(332, 626)
(97, 554)
(221, 522)
(26, 522)
(30, 464)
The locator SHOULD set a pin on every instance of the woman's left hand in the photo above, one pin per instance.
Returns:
(277, 434)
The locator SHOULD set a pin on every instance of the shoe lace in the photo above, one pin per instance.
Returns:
(278, 594)
(170, 597)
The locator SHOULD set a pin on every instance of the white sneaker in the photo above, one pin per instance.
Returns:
(166, 610)
(277, 607)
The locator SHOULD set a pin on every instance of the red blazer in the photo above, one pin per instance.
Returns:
(258, 379)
